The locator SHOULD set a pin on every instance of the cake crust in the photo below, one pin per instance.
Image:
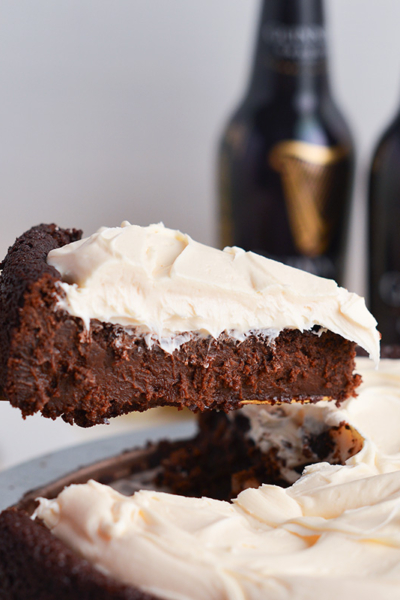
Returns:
(52, 364)
(28, 548)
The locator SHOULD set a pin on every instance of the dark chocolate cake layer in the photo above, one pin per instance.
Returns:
(52, 364)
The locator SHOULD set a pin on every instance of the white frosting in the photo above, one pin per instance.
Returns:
(334, 534)
(289, 431)
(164, 283)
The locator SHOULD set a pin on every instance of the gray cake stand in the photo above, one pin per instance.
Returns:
(15, 482)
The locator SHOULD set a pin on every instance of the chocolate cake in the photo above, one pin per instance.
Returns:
(27, 548)
(219, 462)
(51, 362)
(34, 565)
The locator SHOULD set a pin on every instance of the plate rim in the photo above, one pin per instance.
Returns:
(16, 481)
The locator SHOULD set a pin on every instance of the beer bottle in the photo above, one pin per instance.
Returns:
(286, 158)
(384, 234)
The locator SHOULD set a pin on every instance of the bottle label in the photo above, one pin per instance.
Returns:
(310, 175)
(295, 43)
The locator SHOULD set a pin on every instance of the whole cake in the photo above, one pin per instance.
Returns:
(131, 318)
(329, 530)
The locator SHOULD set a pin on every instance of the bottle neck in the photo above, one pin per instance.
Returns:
(290, 58)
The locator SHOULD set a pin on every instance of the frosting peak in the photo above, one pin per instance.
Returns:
(165, 283)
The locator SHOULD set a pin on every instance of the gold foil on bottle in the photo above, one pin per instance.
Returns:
(308, 172)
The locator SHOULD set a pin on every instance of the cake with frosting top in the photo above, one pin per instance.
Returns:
(137, 317)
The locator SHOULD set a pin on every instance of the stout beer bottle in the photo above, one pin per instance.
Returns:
(384, 233)
(286, 158)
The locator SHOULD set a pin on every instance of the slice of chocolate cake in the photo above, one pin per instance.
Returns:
(134, 318)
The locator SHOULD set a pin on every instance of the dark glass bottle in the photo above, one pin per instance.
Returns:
(384, 235)
(286, 158)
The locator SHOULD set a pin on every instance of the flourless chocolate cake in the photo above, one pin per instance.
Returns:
(219, 462)
(53, 362)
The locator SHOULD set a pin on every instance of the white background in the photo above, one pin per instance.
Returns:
(111, 110)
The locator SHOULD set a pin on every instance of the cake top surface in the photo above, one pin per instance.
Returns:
(165, 283)
(334, 533)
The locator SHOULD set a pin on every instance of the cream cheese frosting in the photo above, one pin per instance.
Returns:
(166, 284)
(289, 431)
(334, 533)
